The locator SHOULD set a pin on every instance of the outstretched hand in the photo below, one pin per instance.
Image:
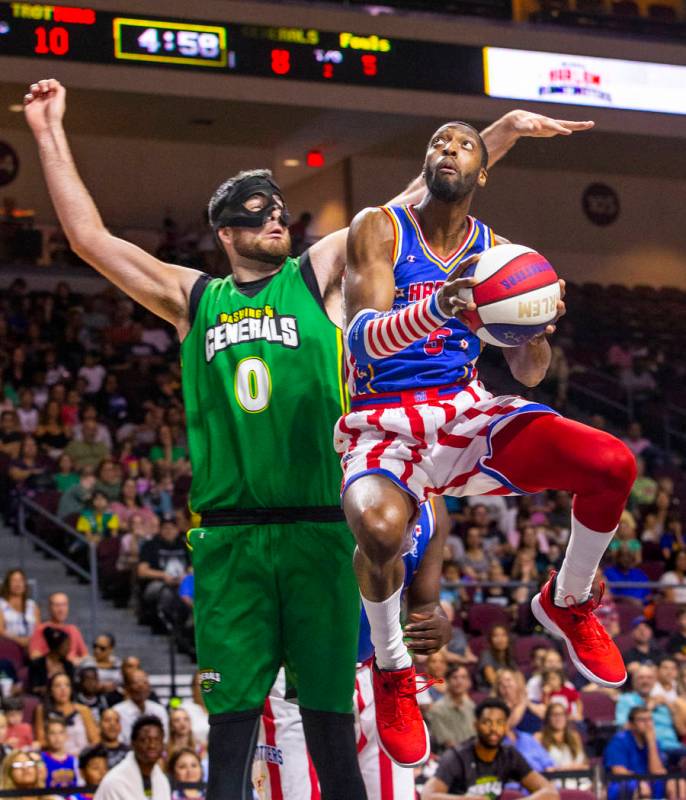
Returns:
(45, 104)
(527, 123)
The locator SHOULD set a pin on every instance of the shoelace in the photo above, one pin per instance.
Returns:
(582, 611)
(405, 689)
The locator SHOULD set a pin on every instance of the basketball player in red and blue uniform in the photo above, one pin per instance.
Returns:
(422, 424)
(283, 769)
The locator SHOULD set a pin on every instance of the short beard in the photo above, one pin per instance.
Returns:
(275, 252)
(450, 190)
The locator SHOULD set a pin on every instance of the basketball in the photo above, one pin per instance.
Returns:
(516, 295)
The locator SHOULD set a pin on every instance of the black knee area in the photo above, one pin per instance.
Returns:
(231, 749)
(330, 739)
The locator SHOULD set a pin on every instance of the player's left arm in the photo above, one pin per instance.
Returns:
(529, 362)
(428, 629)
(328, 255)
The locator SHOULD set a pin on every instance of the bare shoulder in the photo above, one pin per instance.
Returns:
(369, 221)
(500, 239)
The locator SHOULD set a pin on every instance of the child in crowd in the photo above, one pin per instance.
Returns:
(60, 766)
(19, 733)
(93, 767)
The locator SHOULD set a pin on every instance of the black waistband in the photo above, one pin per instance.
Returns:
(270, 516)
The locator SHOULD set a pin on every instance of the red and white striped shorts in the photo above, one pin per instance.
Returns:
(430, 442)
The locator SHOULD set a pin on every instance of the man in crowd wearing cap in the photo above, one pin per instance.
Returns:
(262, 390)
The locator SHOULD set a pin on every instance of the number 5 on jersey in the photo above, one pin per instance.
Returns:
(252, 385)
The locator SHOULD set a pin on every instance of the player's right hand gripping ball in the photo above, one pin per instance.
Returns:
(516, 295)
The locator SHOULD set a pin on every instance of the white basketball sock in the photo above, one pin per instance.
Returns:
(387, 633)
(584, 551)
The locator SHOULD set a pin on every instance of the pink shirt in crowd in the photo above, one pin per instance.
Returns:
(39, 647)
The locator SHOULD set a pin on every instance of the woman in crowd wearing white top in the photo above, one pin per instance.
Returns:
(19, 614)
(674, 581)
(559, 737)
(197, 712)
(81, 727)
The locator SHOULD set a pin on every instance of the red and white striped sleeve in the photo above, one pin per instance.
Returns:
(375, 334)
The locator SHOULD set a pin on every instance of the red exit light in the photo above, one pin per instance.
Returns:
(314, 158)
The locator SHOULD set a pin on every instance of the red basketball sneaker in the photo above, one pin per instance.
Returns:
(592, 651)
(403, 736)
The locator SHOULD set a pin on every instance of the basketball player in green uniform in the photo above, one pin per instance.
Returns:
(262, 388)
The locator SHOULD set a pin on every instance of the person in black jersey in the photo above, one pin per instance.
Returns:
(482, 766)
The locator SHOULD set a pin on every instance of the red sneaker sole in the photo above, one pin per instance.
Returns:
(424, 758)
(545, 620)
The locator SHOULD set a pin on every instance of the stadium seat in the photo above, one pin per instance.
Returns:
(483, 616)
(650, 551)
(576, 794)
(599, 707)
(524, 646)
(624, 641)
(666, 617)
(478, 644)
(30, 704)
(653, 569)
(12, 652)
(627, 614)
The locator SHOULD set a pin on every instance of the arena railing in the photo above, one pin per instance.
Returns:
(30, 509)
(599, 778)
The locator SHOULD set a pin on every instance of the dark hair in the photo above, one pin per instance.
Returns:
(144, 721)
(635, 711)
(109, 636)
(5, 588)
(503, 658)
(55, 637)
(90, 753)
(54, 719)
(491, 702)
(176, 755)
(216, 203)
(664, 658)
(455, 668)
(12, 704)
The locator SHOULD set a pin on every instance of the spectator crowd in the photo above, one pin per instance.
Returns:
(92, 430)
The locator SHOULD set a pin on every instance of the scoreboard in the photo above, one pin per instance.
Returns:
(71, 33)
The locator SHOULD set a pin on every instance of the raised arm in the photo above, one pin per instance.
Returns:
(329, 255)
(162, 288)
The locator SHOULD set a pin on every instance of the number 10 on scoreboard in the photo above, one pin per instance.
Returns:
(170, 42)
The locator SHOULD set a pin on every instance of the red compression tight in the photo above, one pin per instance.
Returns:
(543, 451)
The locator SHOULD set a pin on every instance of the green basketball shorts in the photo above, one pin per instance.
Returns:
(269, 595)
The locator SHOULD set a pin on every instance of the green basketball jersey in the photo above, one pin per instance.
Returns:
(263, 388)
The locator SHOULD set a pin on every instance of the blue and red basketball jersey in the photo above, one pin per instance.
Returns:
(448, 355)
(421, 536)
